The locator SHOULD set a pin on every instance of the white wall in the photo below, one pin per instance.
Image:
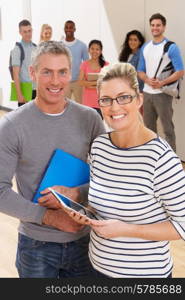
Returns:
(89, 16)
(106, 20)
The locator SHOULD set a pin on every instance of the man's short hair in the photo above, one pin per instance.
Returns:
(50, 47)
(158, 16)
(24, 23)
(70, 21)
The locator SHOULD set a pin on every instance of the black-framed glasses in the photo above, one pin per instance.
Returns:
(121, 100)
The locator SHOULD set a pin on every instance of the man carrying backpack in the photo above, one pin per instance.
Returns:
(157, 103)
(21, 59)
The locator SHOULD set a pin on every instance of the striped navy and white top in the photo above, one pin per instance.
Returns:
(138, 185)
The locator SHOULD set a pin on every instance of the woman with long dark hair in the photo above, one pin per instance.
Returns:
(89, 70)
(131, 50)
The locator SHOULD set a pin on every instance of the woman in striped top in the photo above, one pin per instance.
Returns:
(137, 185)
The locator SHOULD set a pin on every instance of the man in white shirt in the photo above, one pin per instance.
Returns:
(157, 103)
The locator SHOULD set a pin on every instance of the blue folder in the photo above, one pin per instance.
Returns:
(63, 169)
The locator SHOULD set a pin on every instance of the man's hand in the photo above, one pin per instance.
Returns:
(21, 99)
(49, 200)
(155, 83)
(150, 81)
(158, 84)
(59, 219)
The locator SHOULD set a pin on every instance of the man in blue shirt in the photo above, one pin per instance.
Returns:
(157, 103)
(21, 69)
(79, 53)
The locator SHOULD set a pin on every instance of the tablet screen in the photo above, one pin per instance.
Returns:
(75, 206)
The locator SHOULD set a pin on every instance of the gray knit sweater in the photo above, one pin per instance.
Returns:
(28, 138)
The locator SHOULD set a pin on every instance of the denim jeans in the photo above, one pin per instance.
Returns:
(36, 259)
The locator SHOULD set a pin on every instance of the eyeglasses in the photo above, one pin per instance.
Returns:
(121, 100)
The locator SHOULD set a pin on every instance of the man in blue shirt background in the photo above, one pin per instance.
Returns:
(79, 53)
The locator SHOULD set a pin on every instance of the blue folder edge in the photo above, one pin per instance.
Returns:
(63, 169)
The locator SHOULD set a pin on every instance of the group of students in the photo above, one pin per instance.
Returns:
(137, 182)
(90, 60)
(145, 58)
(85, 60)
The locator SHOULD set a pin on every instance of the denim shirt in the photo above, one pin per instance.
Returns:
(134, 61)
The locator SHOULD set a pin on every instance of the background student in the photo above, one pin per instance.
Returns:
(46, 33)
(21, 69)
(79, 53)
(92, 65)
(130, 51)
(156, 103)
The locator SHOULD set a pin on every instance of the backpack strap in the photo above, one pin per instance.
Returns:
(21, 50)
(165, 49)
(167, 45)
(21, 58)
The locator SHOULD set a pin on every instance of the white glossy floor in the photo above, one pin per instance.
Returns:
(8, 244)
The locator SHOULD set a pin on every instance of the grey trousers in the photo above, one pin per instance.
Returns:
(160, 106)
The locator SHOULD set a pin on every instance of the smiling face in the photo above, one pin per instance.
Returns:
(119, 117)
(47, 33)
(69, 30)
(133, 42)
(26, 33)
(52, 75)
(157, 28)
(95, 51)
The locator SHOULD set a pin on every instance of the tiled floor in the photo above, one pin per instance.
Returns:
(8, 243)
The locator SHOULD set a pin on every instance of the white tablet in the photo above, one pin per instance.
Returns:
(74, 206)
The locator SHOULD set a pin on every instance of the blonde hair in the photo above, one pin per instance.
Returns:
(119, 70)
(43, 28)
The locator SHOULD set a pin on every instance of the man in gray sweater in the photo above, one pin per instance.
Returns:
(49, 243)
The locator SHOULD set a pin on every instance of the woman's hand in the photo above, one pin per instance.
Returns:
(82, 81)
(91, 84)
(77, 217)
(108, 228)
